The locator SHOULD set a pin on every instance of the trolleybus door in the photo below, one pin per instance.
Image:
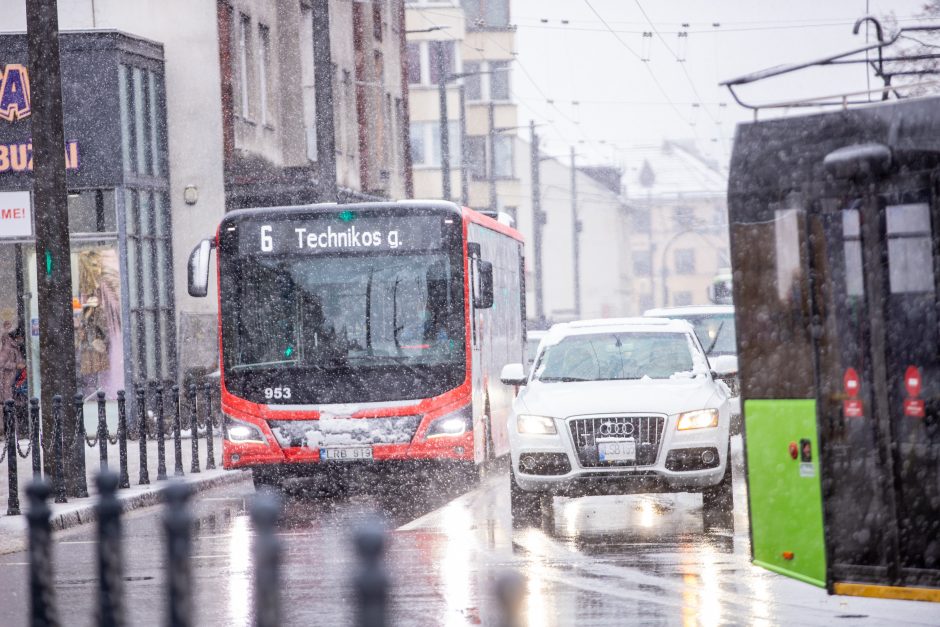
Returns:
(877, 298)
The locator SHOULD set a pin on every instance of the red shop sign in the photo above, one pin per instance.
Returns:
(852, 407)
(913, 406)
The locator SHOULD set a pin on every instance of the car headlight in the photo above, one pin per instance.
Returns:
(239, 431)
(698, 419)
(535, 425)
(452, 424)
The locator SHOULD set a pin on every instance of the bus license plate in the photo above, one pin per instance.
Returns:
(617, 451)
(346, 454)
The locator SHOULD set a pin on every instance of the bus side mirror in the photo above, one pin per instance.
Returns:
(199, 269)
(483, 295)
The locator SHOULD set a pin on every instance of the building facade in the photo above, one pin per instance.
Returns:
(678, 226)
(471, 45)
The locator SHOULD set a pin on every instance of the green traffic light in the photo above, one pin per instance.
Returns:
(346, 216)
(48, 263)
(289, 351)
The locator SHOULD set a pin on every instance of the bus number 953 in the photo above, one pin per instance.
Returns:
(282, 392)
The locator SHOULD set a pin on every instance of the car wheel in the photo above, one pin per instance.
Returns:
(526, 507)
(718, 500)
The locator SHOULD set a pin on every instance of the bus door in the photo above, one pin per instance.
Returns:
(875, 294)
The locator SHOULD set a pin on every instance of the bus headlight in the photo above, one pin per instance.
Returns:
(698, 419)
(239, 431)
(535, 425)
(451, 424)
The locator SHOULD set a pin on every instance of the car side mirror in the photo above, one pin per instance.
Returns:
(198, 275)
(513, 374)
(483, 294)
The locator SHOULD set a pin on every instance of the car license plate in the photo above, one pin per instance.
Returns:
(346, 454)
(617, 451)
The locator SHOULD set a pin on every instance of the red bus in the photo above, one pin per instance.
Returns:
(364, 335)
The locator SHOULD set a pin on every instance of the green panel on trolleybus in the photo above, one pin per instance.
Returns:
(784, 488)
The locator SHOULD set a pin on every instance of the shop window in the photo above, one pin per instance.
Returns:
(127, 129)
(92, 211)
(143, 123)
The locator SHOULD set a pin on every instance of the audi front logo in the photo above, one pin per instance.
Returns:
(616, 428)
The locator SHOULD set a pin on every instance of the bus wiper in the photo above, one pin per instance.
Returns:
(562, 379)
(369, 312)
(263, 363)
(715, 340)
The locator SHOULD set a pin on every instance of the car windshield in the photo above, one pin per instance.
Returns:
(615, 356)
(715, 332)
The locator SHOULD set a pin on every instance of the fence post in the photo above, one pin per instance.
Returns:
(57, 437)
(144, 478)
(509, 590)
(371, 581)
(194, 427)
(102, 431)
(161, 444)
(125, 481)
(210, 445)
(78, 448)
(178, 523)
(110, 581)
(177, 439)
(9, 428)
(41, 589)
(265, 511)
(35, 446)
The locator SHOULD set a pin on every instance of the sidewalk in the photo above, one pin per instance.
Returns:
(80, 511)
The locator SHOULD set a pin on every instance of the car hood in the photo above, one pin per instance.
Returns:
(660, 396)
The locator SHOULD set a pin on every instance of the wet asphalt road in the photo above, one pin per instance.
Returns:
(595, 561)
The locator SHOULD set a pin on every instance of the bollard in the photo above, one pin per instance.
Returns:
(110, 611)
(194, 426)
(371, 581)
(265, 511)
(161, 444)
(177, 439)
(34, 437)
(210, 445)
(102, 432)
(144, 478)
(78, 448)
(57, 437)
(125, 481)
(510, 594)
(9, 428)
(178, 523)
(41, 587)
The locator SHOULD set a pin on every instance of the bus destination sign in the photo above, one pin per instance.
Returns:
(320, 236)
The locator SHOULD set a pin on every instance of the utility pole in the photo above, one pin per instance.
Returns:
(538, 220)
(442, 72)
(576, 237)
(54, 272)
(491, 114)
(464, 181)
(323, 87)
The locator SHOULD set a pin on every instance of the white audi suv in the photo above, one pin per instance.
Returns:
(618, 406)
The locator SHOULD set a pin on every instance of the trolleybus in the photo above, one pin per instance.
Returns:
(363, 335)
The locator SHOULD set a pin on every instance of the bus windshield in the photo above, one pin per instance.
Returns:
(344, 328)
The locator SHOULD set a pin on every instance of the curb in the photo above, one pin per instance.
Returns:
(129, 502)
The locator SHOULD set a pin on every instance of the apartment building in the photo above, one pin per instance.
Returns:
(471, 44)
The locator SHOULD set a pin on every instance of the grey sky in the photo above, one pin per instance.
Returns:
(619, 101)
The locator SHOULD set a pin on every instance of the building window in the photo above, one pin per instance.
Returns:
(475, 156)
(646, 302)
(685, 261)
(244, 60)
(414, 63)
(264, 58)
(499, 80)
(683, 217)
(426, 144)
(472, 83)
(640, 219)
(308, 82)
(641, 263)
(440, 52)
(377, 21)
(681, 299)
(143, 129)
(502, 156)
(486, 13)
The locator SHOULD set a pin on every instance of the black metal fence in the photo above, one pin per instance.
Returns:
(370, 579)
(190, 409)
